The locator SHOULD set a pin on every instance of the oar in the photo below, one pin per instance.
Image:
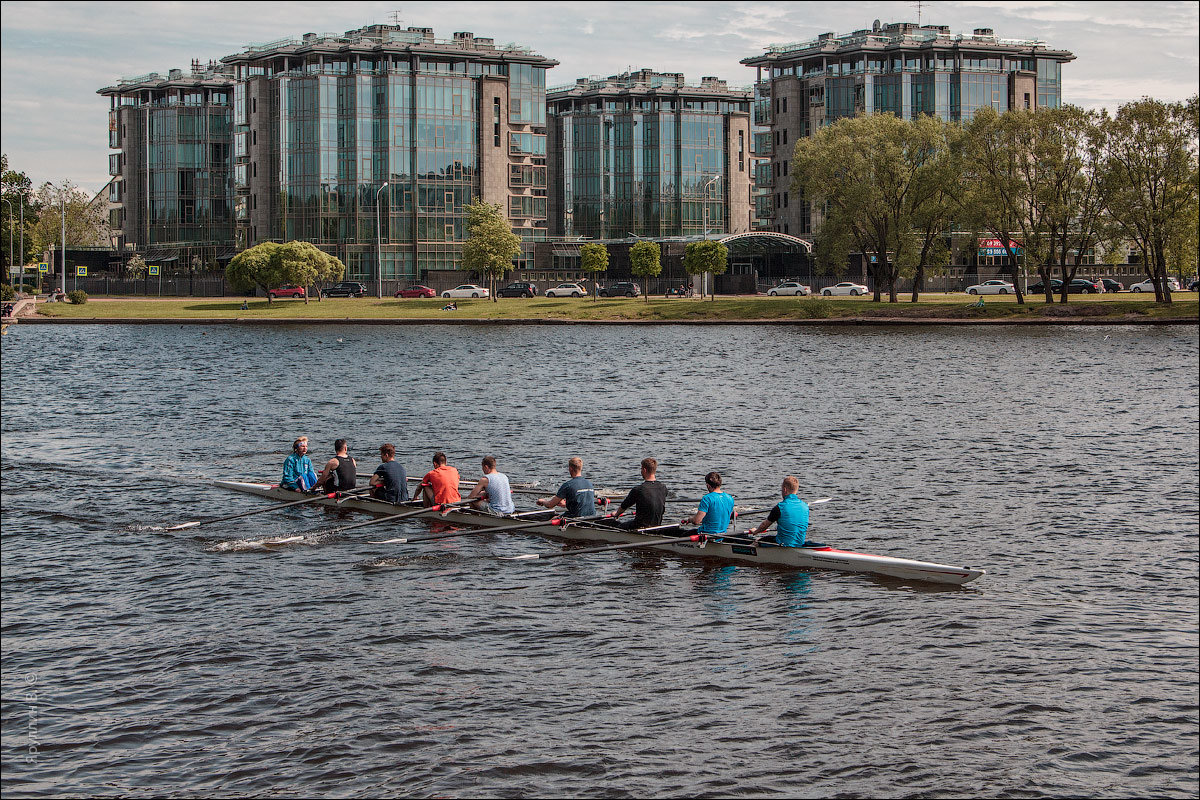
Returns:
(557, 521)
(316, 499)
(692, 537)
(401, 515)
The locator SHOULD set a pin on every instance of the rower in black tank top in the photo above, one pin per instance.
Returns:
(344, 475)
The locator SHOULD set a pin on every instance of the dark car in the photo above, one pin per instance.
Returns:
(345, 289)
(1194, 286)
(1039, 287)
(518, 290)
(1112, 286)
(415, 291)
(622, 289)
(1084, 286)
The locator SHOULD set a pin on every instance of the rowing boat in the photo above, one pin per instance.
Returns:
(744, 552)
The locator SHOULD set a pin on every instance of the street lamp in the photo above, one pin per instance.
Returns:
(10, 242)
(704, 201)
(64, 242)
(379, 244)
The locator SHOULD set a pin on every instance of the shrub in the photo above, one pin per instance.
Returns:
(6, 292)
(78, 297)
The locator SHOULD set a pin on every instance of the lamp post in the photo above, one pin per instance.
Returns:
(64, 242)
(704, 201)
(379, 244)
(10, 242)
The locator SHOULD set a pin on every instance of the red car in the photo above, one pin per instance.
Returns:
(287, 290)
(416, 291)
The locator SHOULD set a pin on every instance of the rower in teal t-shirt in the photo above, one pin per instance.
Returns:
(790, 516)
(715, 510)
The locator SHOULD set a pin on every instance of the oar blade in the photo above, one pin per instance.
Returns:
(524, 557)
(182, 526)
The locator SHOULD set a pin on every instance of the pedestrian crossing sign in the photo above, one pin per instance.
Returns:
(154, 270)
(43, 267)
(81, 272)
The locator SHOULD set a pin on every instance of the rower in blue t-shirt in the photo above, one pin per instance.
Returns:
(577, 494)
(715, 511)
(790, 516)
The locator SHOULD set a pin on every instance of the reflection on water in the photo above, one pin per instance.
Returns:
(1062, 461)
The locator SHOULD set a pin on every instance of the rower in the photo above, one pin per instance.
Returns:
(340, 473)
(649, 500)
(577, 494)
(298, 472)
(492, 491)
(440, 484)
(390, 480)
(715, 511)
(790, 516)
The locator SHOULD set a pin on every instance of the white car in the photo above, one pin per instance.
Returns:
(845, 287)
(466, 290)
(1148, 286)
(566, 290)
(992, 287)
(790, 288)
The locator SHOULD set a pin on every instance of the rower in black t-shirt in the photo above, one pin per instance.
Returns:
(649, 499)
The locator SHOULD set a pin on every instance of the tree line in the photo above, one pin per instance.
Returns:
(43, 212)
(1051, 185)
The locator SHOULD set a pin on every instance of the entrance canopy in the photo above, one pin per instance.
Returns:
(764, 242)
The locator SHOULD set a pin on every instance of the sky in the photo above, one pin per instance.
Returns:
(54, 56)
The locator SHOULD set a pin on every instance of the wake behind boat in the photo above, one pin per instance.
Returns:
(741, 551)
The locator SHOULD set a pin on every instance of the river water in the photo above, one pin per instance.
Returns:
(1064, 462)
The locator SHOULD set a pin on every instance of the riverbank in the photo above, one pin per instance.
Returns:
(932, 309)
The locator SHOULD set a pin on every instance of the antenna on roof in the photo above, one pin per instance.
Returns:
(395, 16)
(919, 6)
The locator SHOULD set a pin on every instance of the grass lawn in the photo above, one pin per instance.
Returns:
(931, 306)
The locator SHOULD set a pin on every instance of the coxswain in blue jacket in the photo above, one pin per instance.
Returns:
(298, 472)
(790, 517)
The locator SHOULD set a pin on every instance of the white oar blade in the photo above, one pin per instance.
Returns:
(390, 541)
(520, 558)
(822, 500)
(182, 526)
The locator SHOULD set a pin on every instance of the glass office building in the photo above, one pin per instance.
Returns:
(900, 68)
(645, 154)
(324, 135)
(172, 190)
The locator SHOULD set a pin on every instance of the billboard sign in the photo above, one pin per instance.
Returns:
(995, 247)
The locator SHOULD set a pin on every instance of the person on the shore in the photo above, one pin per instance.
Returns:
(390, 481)
(298, 472)
(715, 511)
(790, 517)
(577, 494)
(649, 499)
(340, 473)
(440, 484)
(493, 491)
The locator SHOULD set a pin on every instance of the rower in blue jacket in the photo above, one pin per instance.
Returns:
(298, 472)
(790, 517)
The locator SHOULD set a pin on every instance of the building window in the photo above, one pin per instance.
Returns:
(785, 105)
(495, 121)
(1027, 100)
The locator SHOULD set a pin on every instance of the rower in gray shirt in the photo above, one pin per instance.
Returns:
(492, 491)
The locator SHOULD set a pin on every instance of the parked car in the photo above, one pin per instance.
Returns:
(466, 290)
(1112, 286)
(1084, 286)
(1040, 288)
(566, 290)
(345, 289)
(791, 288)
(1194, 286)
(992, 287)
(287, 290)
(622, 289)
(519, 290)
(416, 290)
(845, 287)
(1148, 286)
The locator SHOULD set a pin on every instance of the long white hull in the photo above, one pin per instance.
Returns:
(801, 557)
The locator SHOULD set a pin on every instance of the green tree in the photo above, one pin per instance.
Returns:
(706, 256)
(305, 264)
(594, 260)
(135, 267)
(18, 192)
(256, 267)
(87, 218)
(491, 245)
(645, 259)
(1150, 178)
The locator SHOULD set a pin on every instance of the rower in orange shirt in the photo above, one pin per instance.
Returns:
(440, 484)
